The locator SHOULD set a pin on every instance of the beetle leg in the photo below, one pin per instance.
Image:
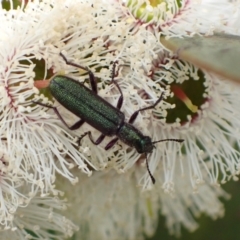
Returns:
(98, 141)
(90, 73)
(135, 114)
(120, 100)
(111, 143)
(75, 126)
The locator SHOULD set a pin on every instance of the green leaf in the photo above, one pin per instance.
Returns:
(219, 53)
(6, 4)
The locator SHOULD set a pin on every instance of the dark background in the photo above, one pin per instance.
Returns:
(226, 228)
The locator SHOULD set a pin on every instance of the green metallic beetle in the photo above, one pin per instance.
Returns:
(99, 113)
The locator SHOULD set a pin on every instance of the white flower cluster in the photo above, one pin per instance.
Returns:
(39, 155)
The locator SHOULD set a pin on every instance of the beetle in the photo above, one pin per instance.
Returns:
(86, 104)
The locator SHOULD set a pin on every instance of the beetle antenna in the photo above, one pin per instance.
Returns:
(170, 139)
(150, 174)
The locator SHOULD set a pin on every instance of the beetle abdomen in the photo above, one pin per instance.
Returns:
(87, 105)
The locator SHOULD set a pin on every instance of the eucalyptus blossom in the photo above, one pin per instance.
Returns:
(39, 151)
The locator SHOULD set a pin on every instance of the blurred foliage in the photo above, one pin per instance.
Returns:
(6, 4)
(226, 228)
(218, 53)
